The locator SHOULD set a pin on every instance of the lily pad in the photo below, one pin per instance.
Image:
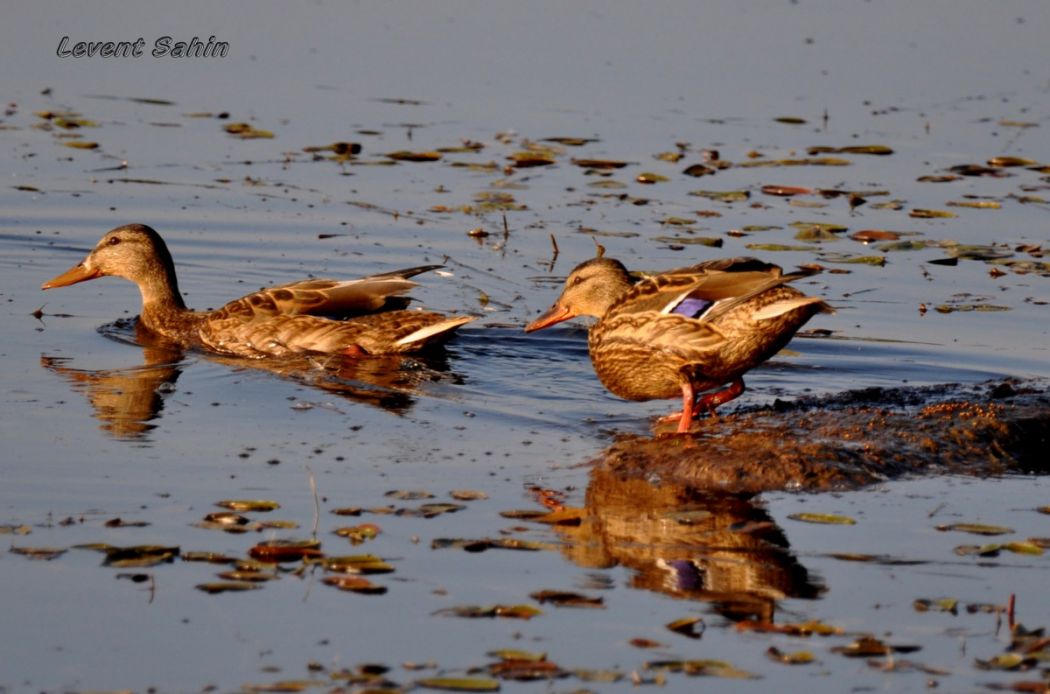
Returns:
(919, 213)
(722, 195)
(460, 684)
(243, 505)
(975, 528)
(822, 518)
(354, 584)
(406, 155)
(216, 587)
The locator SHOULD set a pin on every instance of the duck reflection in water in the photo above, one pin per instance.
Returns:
(690, 544)
(128, 401)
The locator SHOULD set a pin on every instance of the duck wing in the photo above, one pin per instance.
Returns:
(392, 332)
(708, 286)
(325, 297)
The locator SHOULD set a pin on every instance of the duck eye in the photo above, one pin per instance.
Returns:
(578, 279)
(114, 240)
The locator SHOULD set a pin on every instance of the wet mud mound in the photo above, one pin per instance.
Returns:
(853, 439)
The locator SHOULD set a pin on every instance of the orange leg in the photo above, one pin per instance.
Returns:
(712, 400)
(688, 398)
(354, 351)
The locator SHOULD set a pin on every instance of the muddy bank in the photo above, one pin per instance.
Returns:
(852, 439)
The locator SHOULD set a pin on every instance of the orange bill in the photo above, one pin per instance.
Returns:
(555, 314)
(77, 273)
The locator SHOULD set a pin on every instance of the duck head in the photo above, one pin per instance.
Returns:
(135, 252)
(590, 289)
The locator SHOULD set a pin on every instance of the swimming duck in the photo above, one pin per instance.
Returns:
(683, 331)
(351, 317)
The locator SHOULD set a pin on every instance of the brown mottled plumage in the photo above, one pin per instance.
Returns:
(683, 331)
(354, 317)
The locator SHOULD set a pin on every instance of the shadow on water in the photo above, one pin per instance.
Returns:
(683, 542)
(127, 401)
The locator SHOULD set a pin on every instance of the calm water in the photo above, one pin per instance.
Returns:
(96, 427)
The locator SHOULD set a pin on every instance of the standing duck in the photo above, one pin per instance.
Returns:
(352, 317)
(682, 332)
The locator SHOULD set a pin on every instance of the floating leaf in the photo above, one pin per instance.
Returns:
(931, 214)
(896, 246)
(649, 178)
(354, 584)
(279, 551)
(976, 204)
(786, 191)
(943, 178)
(599, 163)
(208, 557)
(1011, 161)
(847, 258)
(247, 575)
(790, 120)
(430, 510)
(526, 670)
(607, 184)
(227, 587)
(988, 550)
(878, 150)
(950, 605)
(799, 629)
(358, 533)
(696, 668)
(1021, 547)
(967, 308)
(248, 505)
(823, 518)
(975, 528)
(15, 530)
(977, 251)
(868, 646)
(820, 226)
(43, 553)
(508, 611)
(796, 658)
(562, 598)
(529, 159)
(693, 627)
(722, 196)
(809, 161)
(468, 495)
(571, 141)
(645, 643)
(339, 148)
(869, 235)
(409, 494)
(815, 233)
(1004, 661)
(709, 241)
(978, 170)
(460, 684)
(246, 132)
(80, 144)
(778, 247)
(356, 564)
(139, 556)
(698, 170)
(406, 155)
(516, 654)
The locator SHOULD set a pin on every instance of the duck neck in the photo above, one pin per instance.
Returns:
(161, 301)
